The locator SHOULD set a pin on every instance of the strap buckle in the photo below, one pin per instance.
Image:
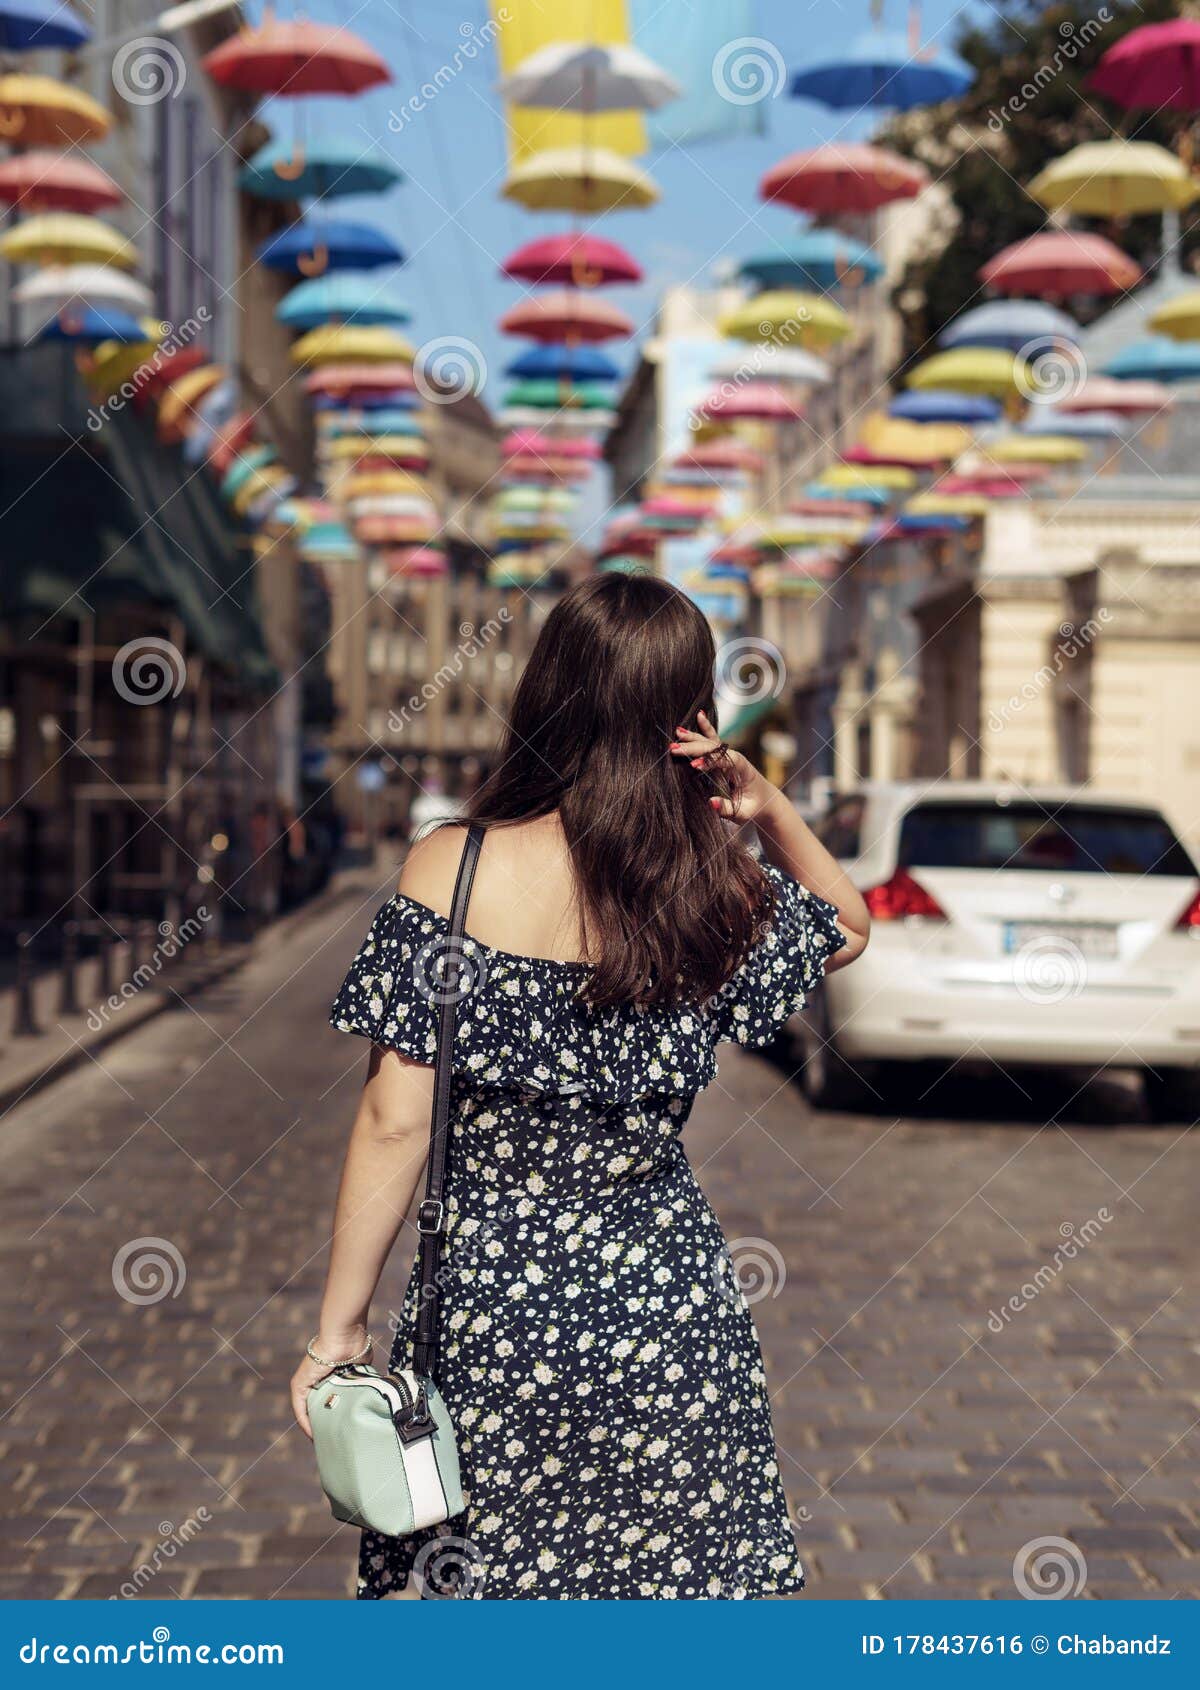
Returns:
(431, 1215)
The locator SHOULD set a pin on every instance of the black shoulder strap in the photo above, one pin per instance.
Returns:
(431, 1216)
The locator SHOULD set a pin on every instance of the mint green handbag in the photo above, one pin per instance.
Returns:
(385, 1446)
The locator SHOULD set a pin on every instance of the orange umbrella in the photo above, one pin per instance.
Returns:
(176, 410)
(284, 57)
(567, 316)
(37, 111)
(50, 181)
(842, 177)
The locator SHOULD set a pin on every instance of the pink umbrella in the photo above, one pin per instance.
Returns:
(573, 260)
(523, 440)
(1059, 263)
(752, 401)
(415, 560)
(842, 176)
(847, 508)
(1126, 398)
(1157, 65)
(567, 315)
(993, 485)
(720, 455)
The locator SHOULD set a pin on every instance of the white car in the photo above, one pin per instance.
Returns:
(1052, 925)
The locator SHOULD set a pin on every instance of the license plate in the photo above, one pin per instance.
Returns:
(1089, 939)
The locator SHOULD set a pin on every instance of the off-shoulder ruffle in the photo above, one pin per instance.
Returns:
(786, 965)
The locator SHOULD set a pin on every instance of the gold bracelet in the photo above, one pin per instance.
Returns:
(347, 1361)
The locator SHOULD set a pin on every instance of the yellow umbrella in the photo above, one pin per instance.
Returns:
(380, 481)
(37, 111)
(810, 530)
(867, 475)
(258, 482)
(113, 363)
(355, 446)
(1179, 318)
(948, 504)
(582, 179)
(913, 442)
(186, 392)
(338, 343)
(787, 316)
(1036, 449)
(973, 369)
(66, 237)
(1115, 179)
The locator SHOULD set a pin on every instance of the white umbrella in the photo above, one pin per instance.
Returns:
(61, 285)
(573, 76)
(773, 363)
(392, 504)
(557, 422)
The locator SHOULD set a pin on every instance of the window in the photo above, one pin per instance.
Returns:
(1062, 839)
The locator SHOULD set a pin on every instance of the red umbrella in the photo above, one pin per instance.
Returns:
(1128, 398)
(588, 451)
(578, 260)
(862, 454)
(49, 181)
(718, 455)
(229, 441)
(753, 400)
(1157, 65)
(415, 560)
(523, 440)
(283, 57)
(360, 378)
(1059, 263)
(160, 371)
(841, 177)
(992, 485)
(568, 316)
(846, 508)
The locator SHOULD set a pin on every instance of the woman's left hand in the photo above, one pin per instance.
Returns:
(749, 791)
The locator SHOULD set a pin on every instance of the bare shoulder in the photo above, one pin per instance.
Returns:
(431, 868)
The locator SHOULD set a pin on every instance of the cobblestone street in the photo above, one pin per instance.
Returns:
(980, 1329)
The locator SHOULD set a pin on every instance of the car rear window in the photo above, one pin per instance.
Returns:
(1064, 839)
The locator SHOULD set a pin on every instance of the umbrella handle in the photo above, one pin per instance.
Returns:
(583, 275)
(317, 264)
(290, 169)
(12, 122)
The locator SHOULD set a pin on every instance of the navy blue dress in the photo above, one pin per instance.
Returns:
(599, 1360)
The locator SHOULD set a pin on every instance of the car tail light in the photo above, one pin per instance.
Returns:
(1190, 918)
(902, 896)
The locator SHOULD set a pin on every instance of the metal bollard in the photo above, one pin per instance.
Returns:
(24, 1020)
(68, 995)
(108, 942)
(146, 938)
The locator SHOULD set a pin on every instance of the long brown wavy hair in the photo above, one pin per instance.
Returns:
(670, 900)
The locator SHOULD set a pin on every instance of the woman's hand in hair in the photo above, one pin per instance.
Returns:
(744, 793)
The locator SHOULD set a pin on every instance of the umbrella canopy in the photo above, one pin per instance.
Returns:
(50, 181)
(563, 363)
(167, 367)
(773, 363)
(372, 422)
(1011, 323)
(343, 297)
(288, 57)
(176, 408)
(787, 316)
(83, 284)
(1059, 263)
(896, 440)
(1179, 318)
(863, 492)
(719, 455)
(360, 380)
(1156, 66)
(753, 400)
(818, 258)
(943, 406)
(33, 25)
(571, 260)
(415, 560)
(92, 328)
(338, 344)
(322, 170)
(309, 249)
(989, 483)
(1084, 425)
(567, 315)
(988, 370)
(1121, 398)
(882, 68)
(1036, 449)
(1155, 359)
(66, 237)
(580, 179)
(549, 395)
(37, 111)
(842, 176)
(574, 76)
(947, 504)
(1115, 179)
(845, 476)
(327, 542)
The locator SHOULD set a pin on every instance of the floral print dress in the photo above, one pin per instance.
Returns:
(598, 1359)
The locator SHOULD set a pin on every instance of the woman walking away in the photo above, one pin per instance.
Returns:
(597, 1359)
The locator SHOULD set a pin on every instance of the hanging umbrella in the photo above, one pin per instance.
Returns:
(342, 381)
(788, 316)
(582, 421)
(865, 492)
(309, 249)
(846, 476)
(895, 440)
(910, 522)
(947, 504)
(66, 237)
(1155, 359)
(988, 370)
(321, 170)
(818, 258)
(1086, 425)
(753, 400)
(1115, 179)
(1036, 449)
(90, 327)
(1122, 398)
(883, 68)
(574, 76)
(34, 25)
(1179, 318)
(50, 181)
(842, 177)
(37, 111)
(1059, 263)
(721, 455)
(229, 440)
(1157, 66)
(335, 343)
(988, 484)
(177, 407)
(773, 363)
(563, 363)
(373, 422)
(551, 395)
(567, 315)
(291, 57)
(343, 297)
(575, 260)
(415, 560)
(327, 542)
(943, 406)
(579, 179)
(80, 285)
(1011, 323)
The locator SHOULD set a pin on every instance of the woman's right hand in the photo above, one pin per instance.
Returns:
(309, 1373)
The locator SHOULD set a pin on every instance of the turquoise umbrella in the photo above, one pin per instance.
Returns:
(379, 422)
(327, 542)
(816, 259)
(325, 169)
(345, 296)
(1156, 359)
(243, 468)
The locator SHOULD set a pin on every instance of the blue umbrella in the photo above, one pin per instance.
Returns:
(563, 363)
(214, 411)
(1012, 324)
(865, 495)
(1076, 425)
(343, 297)
(819, 258)
(400, 399)
(882, 68)
(91, 327)
(326, 169)
(933, 524)
(935, 406)
(1156, 359)
(392, 421)
(313, 248)
(27, 25)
